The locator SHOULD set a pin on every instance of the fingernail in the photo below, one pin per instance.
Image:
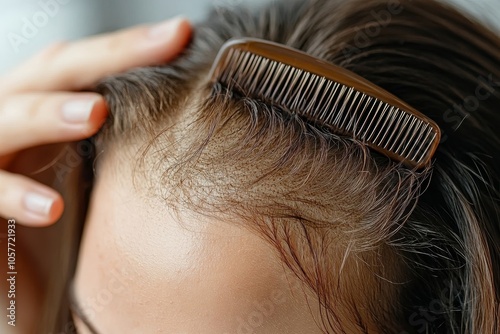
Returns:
(165, 29)
(38, 204)
(77, 111)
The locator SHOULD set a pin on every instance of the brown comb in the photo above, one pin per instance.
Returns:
(328, 95)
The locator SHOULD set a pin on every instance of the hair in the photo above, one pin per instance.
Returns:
(382, 247)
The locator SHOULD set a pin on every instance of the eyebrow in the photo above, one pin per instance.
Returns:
(76, 308)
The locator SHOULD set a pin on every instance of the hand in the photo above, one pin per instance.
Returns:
(40, 104)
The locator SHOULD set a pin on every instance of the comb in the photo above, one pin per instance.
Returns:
(325, 94)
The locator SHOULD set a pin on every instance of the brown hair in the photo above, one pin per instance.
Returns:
(415, 251)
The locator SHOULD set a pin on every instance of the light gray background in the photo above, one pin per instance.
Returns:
(72, 19)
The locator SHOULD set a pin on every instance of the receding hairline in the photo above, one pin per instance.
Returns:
(406, 60)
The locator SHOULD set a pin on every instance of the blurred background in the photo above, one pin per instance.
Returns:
(26, 26)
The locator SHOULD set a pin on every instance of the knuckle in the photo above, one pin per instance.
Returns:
(51, 52)
(33, 106)
(22, 110)
(115, 43)
(8, 112)
(6, 183)
(120, 40)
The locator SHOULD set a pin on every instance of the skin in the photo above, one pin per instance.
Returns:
(31, 117)
(174, 274)
(145, 269)
(30, 108)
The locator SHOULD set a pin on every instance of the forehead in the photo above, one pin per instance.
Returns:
(145, 267)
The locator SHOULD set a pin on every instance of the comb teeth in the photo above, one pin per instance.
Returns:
(387, 128)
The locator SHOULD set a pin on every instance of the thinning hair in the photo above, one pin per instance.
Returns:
(378, 244)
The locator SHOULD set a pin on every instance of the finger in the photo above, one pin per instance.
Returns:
(28, 120)
(28, 202)
(78, 65)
